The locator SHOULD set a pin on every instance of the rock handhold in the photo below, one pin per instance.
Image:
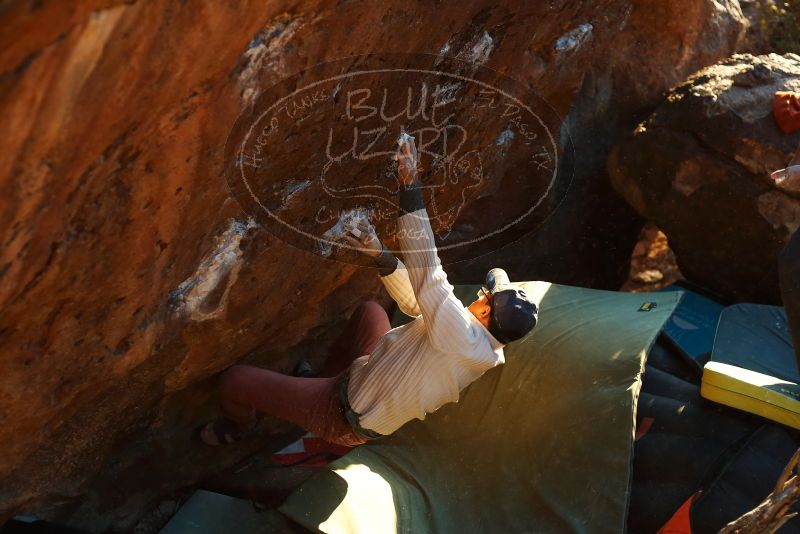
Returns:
(699, 168)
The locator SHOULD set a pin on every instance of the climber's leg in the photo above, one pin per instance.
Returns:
(789, 270)
(311, 403)
(359, 336)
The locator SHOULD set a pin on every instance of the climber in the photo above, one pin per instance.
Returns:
(377, 378)
(788, 179)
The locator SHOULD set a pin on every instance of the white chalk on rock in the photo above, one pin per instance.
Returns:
(404, 138)
(574, 38)
(348, 220)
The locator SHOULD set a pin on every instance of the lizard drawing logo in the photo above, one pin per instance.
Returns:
(316, 150)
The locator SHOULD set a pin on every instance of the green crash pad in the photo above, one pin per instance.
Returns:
(540, 444)
(207, 512)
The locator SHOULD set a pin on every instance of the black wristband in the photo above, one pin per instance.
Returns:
(386, 262)
(411, 198)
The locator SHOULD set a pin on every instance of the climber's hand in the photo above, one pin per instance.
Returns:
(407, 161)
(788, 179)
(364, 239)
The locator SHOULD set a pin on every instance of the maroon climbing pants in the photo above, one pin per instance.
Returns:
(311, 403)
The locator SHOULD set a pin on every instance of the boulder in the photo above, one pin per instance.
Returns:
(588, 239)
(132, 273)
(699, 167)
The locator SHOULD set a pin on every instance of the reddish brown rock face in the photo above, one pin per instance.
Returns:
(130, 276)
(699, 168)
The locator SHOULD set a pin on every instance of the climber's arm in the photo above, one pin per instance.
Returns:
(399, 287)
(393, 273)
(447, 322)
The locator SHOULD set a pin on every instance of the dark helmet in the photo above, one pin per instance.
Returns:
(514, 313)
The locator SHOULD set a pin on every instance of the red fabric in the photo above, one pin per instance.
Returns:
(310, 403)
(307, 451)
(359, 336)
(681, 521)
(786, 110)
(643, 427)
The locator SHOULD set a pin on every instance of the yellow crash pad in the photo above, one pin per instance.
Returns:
(753, 392)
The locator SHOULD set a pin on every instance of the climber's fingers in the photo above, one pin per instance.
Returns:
(787, 179)
(356, 243)
(366, 227)
(406, 151)
(352, 241)
(407, 170)
(407, 148)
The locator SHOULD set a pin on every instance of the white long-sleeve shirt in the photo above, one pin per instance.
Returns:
(416, 368)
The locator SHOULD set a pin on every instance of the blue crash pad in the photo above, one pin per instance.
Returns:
(694, 322)
(756, 337)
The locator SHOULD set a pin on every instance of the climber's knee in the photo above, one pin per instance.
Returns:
(233, 380)
(369, 308)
